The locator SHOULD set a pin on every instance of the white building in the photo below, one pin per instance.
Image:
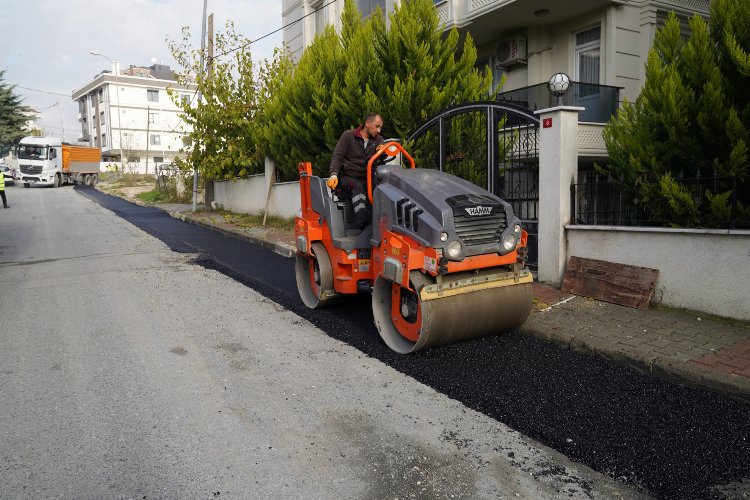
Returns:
(603, 44)
(129, 115)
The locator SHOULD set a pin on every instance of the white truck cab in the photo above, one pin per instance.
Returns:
(39, 160)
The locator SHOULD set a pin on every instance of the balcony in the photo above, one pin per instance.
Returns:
(600, 101)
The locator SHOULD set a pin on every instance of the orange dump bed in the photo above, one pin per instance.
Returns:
(80, 159)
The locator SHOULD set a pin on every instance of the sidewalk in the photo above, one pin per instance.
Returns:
(682, 348)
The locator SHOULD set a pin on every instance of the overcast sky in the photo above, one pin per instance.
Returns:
(45, 44)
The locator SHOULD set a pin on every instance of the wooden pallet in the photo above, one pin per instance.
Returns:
(622, 284)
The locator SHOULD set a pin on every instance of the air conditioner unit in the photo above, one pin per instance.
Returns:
(511, 51)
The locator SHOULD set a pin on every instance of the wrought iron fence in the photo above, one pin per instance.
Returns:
(601, 201)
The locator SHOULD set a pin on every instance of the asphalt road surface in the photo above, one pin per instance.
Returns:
(127, 370)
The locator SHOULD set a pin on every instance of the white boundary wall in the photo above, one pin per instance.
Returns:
(248, 196)
(705, 270)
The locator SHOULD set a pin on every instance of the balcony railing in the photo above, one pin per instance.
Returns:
(600, 101)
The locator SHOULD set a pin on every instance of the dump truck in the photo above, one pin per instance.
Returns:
(444, 260)
(49, 161)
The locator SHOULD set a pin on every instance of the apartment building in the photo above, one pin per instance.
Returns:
(601, 44)
(128, 114)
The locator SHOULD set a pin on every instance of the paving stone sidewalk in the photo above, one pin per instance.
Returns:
(682, 348)
(685, 349)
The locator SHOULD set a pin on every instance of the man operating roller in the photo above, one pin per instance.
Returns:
(349, 163)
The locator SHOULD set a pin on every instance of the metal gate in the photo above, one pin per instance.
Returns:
(494, 145)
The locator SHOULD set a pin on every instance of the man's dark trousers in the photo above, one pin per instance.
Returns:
(357, 188)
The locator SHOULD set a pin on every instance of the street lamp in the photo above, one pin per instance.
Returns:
(117, 92)
(558, 85)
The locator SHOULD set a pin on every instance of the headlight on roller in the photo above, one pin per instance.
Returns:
(454, 249)
(509, 242)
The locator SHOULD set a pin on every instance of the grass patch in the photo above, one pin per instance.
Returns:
(154, 196)
(704, 316)
(256, 220)
(127, 180)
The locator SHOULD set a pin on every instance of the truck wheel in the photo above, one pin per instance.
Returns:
(94, 179)
(56, 181)
(87, 180)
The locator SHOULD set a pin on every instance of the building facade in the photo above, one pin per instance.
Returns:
(601, 44)
(129, 115)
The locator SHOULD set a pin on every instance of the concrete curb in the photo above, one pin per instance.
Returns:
(682, 373)
(279, 248)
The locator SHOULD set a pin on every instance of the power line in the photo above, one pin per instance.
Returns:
(275, 31)
(42, 91)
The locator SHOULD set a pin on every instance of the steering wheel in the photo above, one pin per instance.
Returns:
(387, 153)
(390, 149)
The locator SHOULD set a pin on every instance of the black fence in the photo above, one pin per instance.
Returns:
(601, 201)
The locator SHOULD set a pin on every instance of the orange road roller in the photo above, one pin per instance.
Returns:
(443, 259)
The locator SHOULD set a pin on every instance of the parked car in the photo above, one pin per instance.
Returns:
(8, 173)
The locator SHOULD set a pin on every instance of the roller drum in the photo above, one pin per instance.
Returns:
(455, 317)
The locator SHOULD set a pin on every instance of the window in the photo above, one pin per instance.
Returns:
(587, 60)
(367, 7)
(104, 140)
(101, 95)
(158, 159)
(153, 95)
(153, 117)
(134, 159)
(155, 140)
(101, 117)
(186, 98)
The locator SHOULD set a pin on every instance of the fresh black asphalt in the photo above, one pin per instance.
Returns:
(673, 441)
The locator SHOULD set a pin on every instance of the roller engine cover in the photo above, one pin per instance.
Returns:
(423, 203)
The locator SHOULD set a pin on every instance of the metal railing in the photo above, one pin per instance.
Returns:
(602, 201)
(600, 101)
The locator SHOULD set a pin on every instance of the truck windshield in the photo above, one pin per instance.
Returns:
(30, 152)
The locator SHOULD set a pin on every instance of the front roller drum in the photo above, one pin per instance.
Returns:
(315, 277)
(407, 323)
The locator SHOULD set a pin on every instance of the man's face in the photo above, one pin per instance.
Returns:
(373, 126)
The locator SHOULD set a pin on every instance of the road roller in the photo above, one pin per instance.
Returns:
(443, 259)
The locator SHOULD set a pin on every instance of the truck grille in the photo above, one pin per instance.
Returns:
(475, 230)
(31, 169)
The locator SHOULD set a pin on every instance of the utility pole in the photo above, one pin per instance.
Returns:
(208, 183)
(148, 130)
(62, 120)
(203, 52)
(210, 62)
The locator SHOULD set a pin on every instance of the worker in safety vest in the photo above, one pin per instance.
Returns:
(2, 190)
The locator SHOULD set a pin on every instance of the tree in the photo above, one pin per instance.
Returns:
(12, 118)
(222, 142)
(408, 73)
(691, 119)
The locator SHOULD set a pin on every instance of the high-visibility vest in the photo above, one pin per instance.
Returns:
(2, 182)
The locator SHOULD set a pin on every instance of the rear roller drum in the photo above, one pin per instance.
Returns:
(315, 277)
